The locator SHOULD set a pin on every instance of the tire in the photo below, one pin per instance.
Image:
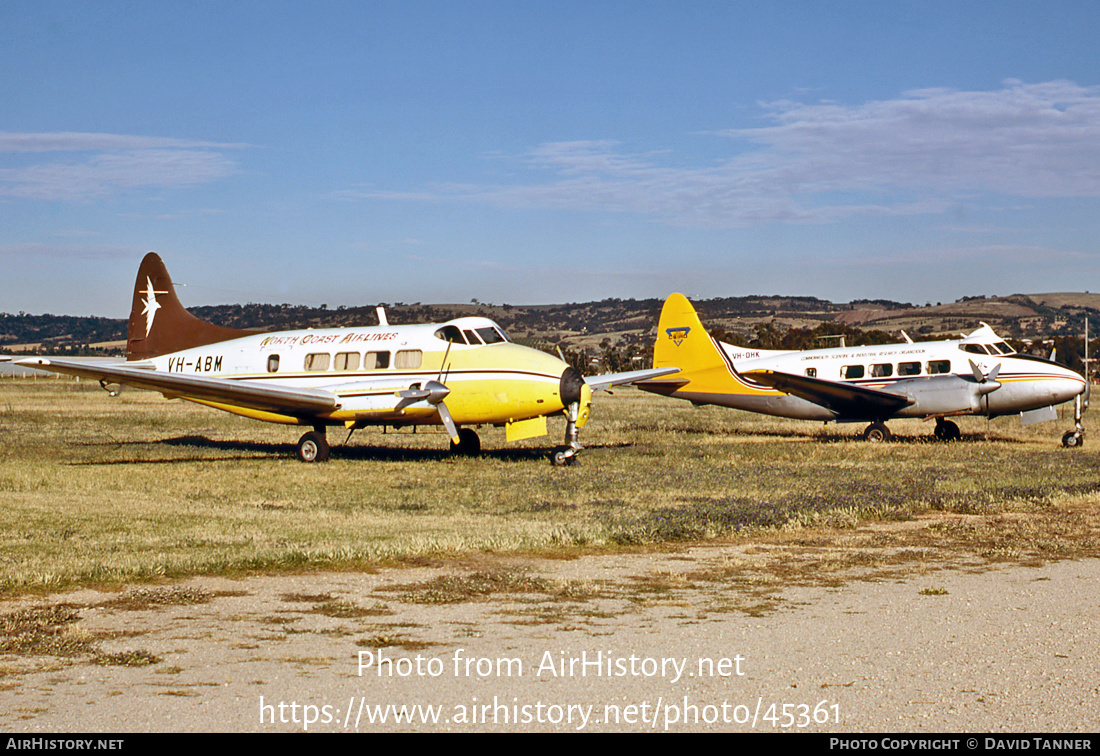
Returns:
(877, 433)
(312, 447)
(947, 431)
(1072, 440)
(468, 444)
(563, 456)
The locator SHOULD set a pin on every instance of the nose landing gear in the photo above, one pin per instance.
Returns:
(1076, 437)
(573, 392)
(567, 454)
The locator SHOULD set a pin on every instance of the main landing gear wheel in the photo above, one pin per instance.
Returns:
(947, 431)
(877, 433)
(312, 447)
(468, 443)
(1072, 439)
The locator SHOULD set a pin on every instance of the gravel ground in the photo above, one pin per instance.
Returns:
(600, 643)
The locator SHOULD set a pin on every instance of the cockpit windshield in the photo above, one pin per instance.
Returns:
(485, 334)
(450, 333)
(490, 335)
(998, 348)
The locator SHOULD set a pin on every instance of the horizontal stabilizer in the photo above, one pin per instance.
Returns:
(597, 382)
(254, 395)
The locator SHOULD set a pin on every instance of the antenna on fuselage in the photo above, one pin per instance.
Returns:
(382, 316)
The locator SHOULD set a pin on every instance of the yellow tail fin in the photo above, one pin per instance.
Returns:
(683, 342)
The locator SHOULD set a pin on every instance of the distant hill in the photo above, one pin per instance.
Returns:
(615, 334)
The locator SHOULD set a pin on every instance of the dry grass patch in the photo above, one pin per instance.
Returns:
(45, 631)
(486, 584)
(394, 641)
(137, 599)
(51, 631)
(140, 658)
(112, 491)
(343, 609)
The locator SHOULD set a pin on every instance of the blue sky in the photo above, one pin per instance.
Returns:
(542, 152)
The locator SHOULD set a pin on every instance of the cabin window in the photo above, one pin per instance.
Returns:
(376, 360)
(347, 361)
(851, 371)
(273, 363)
(935, 367)
(408, 359)
(450, 333)
(490, 335)
(908, 368)
(811, 372)
(885, 370)
(973, 348)
(317, 361)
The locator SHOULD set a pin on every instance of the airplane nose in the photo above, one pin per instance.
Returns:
(1071, 387)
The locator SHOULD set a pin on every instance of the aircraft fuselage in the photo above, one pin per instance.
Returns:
(365, 367)
(939, 380)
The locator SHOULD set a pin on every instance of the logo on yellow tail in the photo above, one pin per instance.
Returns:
(678, 334)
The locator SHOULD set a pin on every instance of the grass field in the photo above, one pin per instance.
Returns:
(98, 491)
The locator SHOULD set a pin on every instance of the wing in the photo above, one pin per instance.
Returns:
(256, 395)
(846, 399)
(598, 382)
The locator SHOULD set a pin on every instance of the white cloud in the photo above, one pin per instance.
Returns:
(919, 153)
(82, 142)
(37, 251)
(1040, 140)
(106, 164)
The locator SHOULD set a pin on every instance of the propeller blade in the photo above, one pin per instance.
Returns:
(979, 376)
(987, 382)
(432, 392)
(448, 422)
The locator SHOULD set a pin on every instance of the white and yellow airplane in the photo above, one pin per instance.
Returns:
(978, 374)
(465, 372)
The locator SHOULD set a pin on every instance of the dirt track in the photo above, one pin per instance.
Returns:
(997, 649)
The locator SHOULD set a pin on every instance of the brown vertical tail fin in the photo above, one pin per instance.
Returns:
(159, 324)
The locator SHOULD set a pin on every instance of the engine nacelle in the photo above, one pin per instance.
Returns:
(942, 395)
